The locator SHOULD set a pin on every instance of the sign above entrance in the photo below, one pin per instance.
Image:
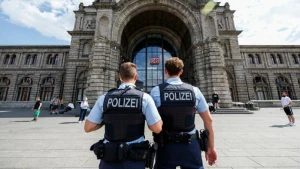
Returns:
(154, 61)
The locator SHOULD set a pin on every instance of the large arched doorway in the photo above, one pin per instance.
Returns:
(149, 54)
(149, 39)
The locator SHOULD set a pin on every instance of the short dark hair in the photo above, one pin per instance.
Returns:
(174, 65)
(128, 70)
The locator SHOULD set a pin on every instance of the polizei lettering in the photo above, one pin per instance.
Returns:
(177, 96)
(123, 102)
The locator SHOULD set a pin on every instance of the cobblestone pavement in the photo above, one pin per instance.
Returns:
(260, 140)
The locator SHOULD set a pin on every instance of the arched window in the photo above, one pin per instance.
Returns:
(4, 86)
(56, 59)
(261, 88)
(28, 60)
(283, 84)
(251, 59)
(295, 59)
(34, 60)
(13, 59)
(86, 50)
(273, 59)
(257, 59)
(24, 89)
(81, 85)
(279, 59)
(6, 60)
(47, 88)
(50, 59)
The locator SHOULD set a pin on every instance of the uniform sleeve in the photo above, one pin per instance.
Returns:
(96, 114)
(149, 110)
(155, 94)
(200, 101)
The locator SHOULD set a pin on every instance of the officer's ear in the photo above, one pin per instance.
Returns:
(181, 71)
(136, 76)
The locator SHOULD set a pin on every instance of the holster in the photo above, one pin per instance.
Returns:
(149, 162)
(203, 139)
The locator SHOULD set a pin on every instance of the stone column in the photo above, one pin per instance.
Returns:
(273, 86)
(211, 74)
(295, 86)
(103, 69)
(244, 83)
(12, 88)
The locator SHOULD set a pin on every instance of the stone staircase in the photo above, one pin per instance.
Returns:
(233, 111)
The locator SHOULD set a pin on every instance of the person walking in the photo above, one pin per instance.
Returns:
(178, 104)
(123, 112)
(55, 106)
(286, 103)
(37, 109)
(84, 105)
(216, 100)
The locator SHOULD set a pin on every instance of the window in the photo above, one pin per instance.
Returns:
(251, 59)
(295, 59)
(232, 87)
(28, 60)
(81, 85)
(47, 88)
(261, 88)
(257, 59)
(34, 60)
(283, 84)
(13, 59)
(279, 59)
(86, 50)
(56, 59)
(273, 59)
(50, 59)
(6, 60)
(4, 86)
(24, 89)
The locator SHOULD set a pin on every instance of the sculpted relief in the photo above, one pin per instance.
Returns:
(90, 24)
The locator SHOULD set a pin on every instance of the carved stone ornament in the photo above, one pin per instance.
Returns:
(81, 6)
(90, 24)
(220, 24)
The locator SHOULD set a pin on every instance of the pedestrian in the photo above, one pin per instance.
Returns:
(62, 106)
(51, 103)
(124, 111)
(211, 107)
(178, 104)
(37, 109)
(69, 107)
(286, 103)
(84, 105)
(55, 106)
(216, 100)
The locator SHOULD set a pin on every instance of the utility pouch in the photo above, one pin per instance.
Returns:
(139, 151)
(115, 152)
(203, 140)
(98, 149)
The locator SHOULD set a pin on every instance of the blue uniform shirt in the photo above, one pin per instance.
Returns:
(200, 105)
(148, 108)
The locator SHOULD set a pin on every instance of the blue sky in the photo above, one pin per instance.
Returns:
(45, 22)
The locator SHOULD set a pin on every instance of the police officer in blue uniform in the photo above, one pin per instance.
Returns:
(177, 104)
(123, 112)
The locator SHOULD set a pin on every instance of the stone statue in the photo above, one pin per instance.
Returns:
(220, 24)
(81, 6)
(227, 6)
(90, 24)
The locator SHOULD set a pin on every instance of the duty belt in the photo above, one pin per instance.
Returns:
(173, 137)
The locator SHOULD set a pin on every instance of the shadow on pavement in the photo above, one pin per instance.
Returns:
(22, 121)
(68, 122)
(280, 126)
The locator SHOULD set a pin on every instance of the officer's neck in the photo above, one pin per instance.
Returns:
(128, 81)
(175, 76)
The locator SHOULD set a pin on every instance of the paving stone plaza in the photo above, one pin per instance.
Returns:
(253, 141)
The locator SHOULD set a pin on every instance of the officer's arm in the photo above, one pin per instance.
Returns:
(89, 126)
(157, 127)
(208, 124)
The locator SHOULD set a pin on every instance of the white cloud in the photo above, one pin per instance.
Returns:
(263, 21)
(268, 22)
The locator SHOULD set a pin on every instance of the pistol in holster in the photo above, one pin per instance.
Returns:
(203, 139)
(149, 163)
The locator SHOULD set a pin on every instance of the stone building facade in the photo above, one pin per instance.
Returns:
(107, 33)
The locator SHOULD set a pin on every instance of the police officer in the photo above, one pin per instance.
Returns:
(177, 104)
(123, 113)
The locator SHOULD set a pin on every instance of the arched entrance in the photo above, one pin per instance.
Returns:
(149, 39)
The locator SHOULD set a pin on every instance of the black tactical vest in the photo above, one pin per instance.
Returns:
(123, 117)
(177, 108)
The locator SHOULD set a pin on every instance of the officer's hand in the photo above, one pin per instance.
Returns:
(211, 156)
